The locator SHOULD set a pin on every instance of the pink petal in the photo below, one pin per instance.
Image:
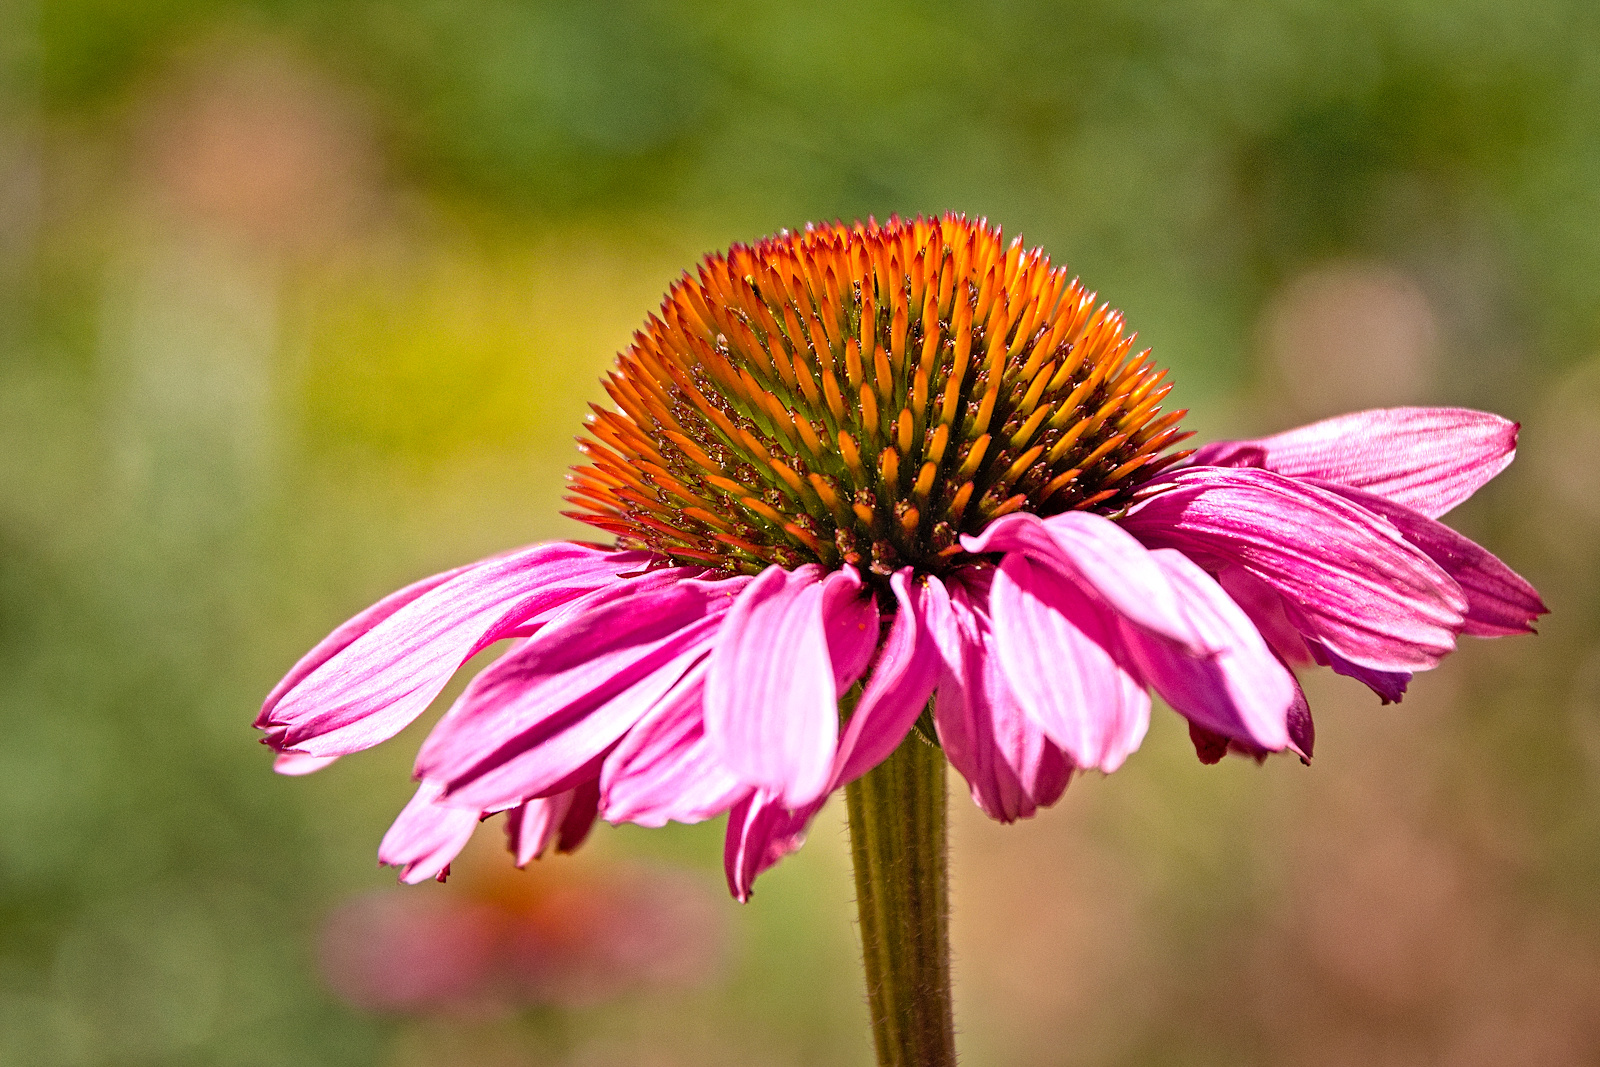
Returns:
(1345, 575)
(901, 682)
(532, 825)
(1426, 459)
(378, 672)
(295, 764)
(664, 769)
(1011, 767)
(541, 714)
(563, 820)
(771, 701)
(1100, 557)
(761, 831)
(851, 622)
(1063, 658)
(579, 817)
(1267, 611)
(1243, 691)
(1500, 602)
(426, 836)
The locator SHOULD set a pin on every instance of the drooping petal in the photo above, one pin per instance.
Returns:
(1063, 658)
(532, 825)
(1243, 691)
(295, 764)
(1426, 459)
(1345, 576)
(1389, 685)
(761, 831)
(771, 700)
(426, 835)
(1500, 602)
(664, 769)
(1267, 611)
(378, 672)
(851, 623)
(1012, 769)
(1302, 731)
(902, 680)
(1099, 556)
(537, 718)
(1210, 746)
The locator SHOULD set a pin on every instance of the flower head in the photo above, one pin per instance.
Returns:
(866, 395)
(856, 467)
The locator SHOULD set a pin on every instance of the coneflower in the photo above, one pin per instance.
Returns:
(885, 495)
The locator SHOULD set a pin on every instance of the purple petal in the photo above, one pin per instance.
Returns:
(902, 680)
(1500, 602)
(1243, 691)
(1426, 459)
(761, 831)
(1011, 767)
(664, 769)
(378, 672)
(427, 835)
(1210, 746)
(1101, 557)
(771, 702)
(1345, 575)
(1302, 731)
(537, 718)
(1389, 685)
(1063, 658)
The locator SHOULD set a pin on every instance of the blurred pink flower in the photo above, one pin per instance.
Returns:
(565, 942)
(703, 671)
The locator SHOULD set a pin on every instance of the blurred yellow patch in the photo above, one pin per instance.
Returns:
(459, 353)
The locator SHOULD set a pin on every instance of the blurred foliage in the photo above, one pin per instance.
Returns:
(300, 301)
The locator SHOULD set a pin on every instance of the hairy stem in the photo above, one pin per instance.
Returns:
(897, 839)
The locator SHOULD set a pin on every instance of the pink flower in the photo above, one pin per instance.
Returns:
(567, 941)
(984, 510)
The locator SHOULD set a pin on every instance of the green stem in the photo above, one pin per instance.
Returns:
(897, 838)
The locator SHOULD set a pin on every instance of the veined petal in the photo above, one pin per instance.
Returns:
(1346, 576)
(427, 835)
(1063, 658)
(380, 670)
(761, 831)
(1012, 769)
(563, 820)
(664, 769)
(1426, 459)
(901, 682)
(1243, 692)
(1101, 557)
(1267, 611)
(542, 713)
(771, 701)
(1500, 602)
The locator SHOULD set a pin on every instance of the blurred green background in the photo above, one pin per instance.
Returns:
(300, 301)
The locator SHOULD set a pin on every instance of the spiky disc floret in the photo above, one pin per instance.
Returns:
(865, 394)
